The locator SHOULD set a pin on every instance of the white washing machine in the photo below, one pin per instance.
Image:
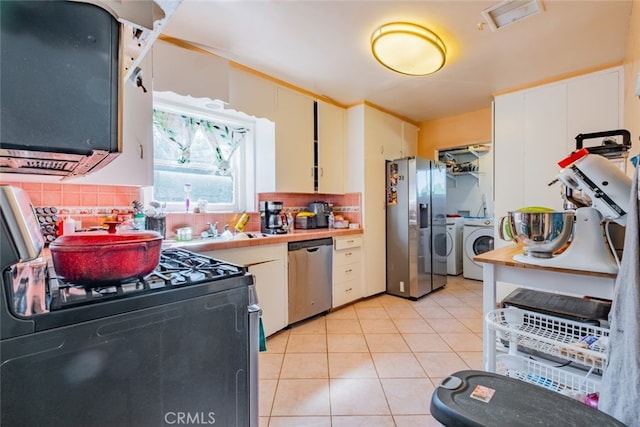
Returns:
(455, 226)
(478, 236)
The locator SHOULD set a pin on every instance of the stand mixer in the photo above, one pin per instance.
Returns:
(601, 192)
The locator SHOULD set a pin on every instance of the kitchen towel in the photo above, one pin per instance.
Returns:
(263, 339)
(621, 379)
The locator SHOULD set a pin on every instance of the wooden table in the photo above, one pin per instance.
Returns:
(498, 265)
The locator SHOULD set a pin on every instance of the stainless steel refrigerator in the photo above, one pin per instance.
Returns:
(416, 198)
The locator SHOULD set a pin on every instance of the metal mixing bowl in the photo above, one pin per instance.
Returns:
(541, 233)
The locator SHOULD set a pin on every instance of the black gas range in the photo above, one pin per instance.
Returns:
(179, 343)
(177, 268)
(180, 275)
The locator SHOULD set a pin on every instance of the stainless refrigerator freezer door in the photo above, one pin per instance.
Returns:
(416, 214)
(398, 234)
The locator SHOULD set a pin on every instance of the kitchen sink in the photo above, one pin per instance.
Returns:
(258, 235)
(201, 239)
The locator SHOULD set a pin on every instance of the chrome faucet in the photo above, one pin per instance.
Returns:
(213, 229)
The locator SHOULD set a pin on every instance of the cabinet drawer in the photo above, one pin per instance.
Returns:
(348, 242)
(346, 272)
(344, 293)
(346, 256)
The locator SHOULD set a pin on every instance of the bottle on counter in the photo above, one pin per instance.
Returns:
(187, 196)
(139, 221)
(332, 220)
(290, 222)
(68, 226)
(242, 222)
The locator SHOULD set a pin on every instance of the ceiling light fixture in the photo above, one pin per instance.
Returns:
(408, 48)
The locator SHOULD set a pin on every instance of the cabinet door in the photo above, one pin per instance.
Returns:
(383, 133)
(252, 95)
(545, 126)
(137, 137)
(188, 72)
(409, 139)
(347, 270)
(294, 142)
(594, 105)
(268, 264)
(508, 149)
(331, 146)
(378, 129)
(269, 279)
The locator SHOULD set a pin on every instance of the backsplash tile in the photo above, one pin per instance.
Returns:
(348, 205)
(90, 205)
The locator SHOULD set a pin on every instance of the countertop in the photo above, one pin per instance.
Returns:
(504, 256)
(203, 245)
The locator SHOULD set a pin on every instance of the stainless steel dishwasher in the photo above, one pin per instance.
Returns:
(309, 278)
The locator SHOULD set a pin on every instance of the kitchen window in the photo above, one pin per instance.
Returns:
(202, 151)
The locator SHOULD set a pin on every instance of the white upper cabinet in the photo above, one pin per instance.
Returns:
(397, 138)
(252, 95)
(536, 128)
(331, 148)
(390, 136)
(294, 166)
(595, 104)
(190, 73)
(545, 143)
(409, 139)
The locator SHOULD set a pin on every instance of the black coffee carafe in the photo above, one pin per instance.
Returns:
(271, 218)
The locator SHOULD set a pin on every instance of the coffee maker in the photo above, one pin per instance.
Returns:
(271, 218)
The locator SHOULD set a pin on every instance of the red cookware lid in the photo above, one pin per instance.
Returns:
(104, 238)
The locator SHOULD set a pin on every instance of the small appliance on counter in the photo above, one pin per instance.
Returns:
(306, 220)
(271, 218)
(322, 210)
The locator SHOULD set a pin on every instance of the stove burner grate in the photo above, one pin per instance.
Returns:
(177, 268)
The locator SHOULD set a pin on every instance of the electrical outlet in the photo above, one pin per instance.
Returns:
(401, 286)
(638, 86)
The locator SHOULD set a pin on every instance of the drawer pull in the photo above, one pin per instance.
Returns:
(349, 290)
(348, 254)
(349, 241)
(348, 271)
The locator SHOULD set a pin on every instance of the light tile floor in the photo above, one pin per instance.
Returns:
(374, 363)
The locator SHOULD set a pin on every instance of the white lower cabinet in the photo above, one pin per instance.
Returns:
(347, 270)
(268, 264)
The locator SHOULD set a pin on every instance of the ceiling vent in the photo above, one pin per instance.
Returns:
(510, 11)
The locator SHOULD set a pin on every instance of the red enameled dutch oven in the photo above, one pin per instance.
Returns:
(96, 258)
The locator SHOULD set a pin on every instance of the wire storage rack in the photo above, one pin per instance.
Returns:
(572, 341)
(578, 342)
(571, 383)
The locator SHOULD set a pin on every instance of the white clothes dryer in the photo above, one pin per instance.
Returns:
(455, 226)
(478, 236)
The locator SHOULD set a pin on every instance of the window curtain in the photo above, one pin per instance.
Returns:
(177, 132)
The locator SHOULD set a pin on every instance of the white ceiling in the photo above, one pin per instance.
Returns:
(323, 47)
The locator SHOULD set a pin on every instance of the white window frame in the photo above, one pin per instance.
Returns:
(244, 177)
